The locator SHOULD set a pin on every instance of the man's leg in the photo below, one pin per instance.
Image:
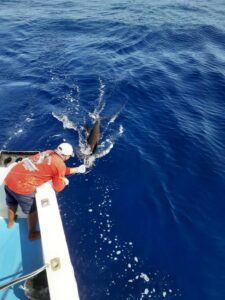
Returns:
(12, 206)
(28, 205)
(32, 223)
(11, 215)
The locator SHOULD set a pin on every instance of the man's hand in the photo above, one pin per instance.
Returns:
(66, 181)
(81, 169)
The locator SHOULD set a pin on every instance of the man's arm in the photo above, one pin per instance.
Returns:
(58, 183)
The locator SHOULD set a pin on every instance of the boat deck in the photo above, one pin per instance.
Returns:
(19, 256)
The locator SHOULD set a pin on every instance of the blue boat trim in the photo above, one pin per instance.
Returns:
(19, 256)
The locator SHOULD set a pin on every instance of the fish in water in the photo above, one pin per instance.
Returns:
(93, 136)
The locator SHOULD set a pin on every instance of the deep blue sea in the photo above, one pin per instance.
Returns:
(147, 221)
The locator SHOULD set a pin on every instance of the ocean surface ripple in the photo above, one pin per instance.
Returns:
(147, 220)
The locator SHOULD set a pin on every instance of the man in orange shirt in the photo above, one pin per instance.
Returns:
(23, 179)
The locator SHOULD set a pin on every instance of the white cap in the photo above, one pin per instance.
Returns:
(65, 149)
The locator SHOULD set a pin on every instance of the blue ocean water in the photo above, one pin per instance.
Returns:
(147, 220)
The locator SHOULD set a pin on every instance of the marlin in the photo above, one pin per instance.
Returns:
(93, 136)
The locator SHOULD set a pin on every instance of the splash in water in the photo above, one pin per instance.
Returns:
(107, 136)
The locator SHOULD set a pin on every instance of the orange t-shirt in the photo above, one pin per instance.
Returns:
(35, 170)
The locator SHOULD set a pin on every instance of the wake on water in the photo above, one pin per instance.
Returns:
(108, 135)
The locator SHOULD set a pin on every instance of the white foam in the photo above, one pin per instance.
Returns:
(67, 124)
(121, 130)
(20, 130)
(105, 151)
(93, 115)
(145, 277)
(28, 120)
(146, 291)
(89, 161)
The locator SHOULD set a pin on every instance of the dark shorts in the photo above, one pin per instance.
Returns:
(26, 202)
